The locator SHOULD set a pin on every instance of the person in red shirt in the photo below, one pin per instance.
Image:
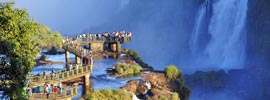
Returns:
(55, 90)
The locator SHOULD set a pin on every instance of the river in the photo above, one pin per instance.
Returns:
(99, 79)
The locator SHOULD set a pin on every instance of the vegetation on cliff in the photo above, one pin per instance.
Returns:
(172, 72)
(107, 94)
(16, 31)
(175, 76)
(127, 69)
(135, 56)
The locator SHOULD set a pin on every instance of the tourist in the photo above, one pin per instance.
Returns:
(53, 73)
(55, 90)
(77, 67)
(60, 87)
(90, 52)
(72, 43)
(47, 91)
(87, 60)
(70, 67)
(44, 89)
(29, 90)
(44, 75)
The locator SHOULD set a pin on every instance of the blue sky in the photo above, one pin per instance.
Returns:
(72, 16)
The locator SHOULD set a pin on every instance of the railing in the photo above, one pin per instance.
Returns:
(63, 74)
(77, 50)
(66, 92)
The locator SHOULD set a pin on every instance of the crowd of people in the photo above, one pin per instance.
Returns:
(47, 90)
(107, 36)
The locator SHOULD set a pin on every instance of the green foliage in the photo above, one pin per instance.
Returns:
(175, 96)
(122, 68)
(108, 94)
(16, 31)
(136, 68)
(172, 72)
(44, 37)
(176, 78)
(135, 56)
(52, 51)
(162, 97)
(133, 53)
(43, 57)
(119, 70)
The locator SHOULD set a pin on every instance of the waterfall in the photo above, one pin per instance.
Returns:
(221, 40)
(227, 30)
(200, 21)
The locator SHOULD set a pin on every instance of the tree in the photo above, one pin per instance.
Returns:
(18, 53)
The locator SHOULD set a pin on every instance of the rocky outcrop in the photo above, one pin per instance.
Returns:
(153, 86)
(40, 62)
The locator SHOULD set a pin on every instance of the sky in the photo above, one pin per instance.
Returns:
(71, 17)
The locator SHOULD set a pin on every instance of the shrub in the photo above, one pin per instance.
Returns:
(108, 94)
(172, 72)
(129, 71)
(43, 57)
(52, 51)
(127, 68)
(136, 68)
(119, 70)
(133, 53)
(162, 97)
(175, 77)
(175, 96)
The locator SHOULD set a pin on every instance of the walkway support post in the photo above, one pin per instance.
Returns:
(118, 47)
(87, 83)
(78, 60)
(67, 56)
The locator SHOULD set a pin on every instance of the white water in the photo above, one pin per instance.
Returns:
(197, 29)
(226, 48)
(227, 29)
(101, 80)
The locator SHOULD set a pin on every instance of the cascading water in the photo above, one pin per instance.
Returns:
(200, 22)
(227, 29)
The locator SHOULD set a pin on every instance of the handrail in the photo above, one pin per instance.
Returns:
(65, 92)
(62, 74)
(73, 49)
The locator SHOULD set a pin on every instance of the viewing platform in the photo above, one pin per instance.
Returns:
(83, 47)
(67, 93)
(62, 76)
(100, 42)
